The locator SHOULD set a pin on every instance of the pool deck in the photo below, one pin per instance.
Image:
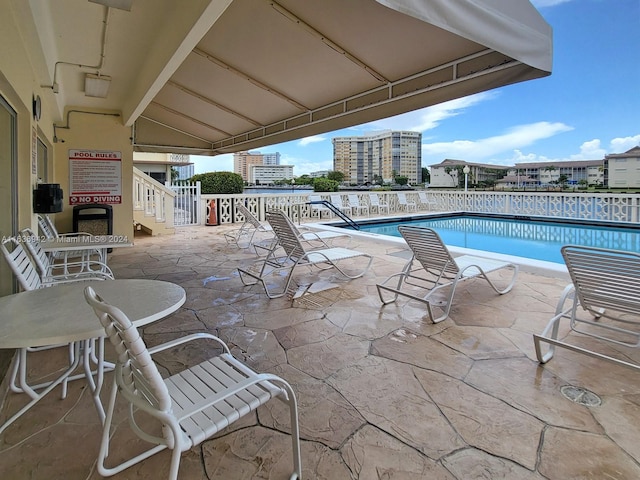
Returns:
(382, 392)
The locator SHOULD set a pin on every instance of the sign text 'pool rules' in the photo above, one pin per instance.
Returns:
(95, 176)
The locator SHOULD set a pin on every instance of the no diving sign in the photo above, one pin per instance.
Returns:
(95, 176)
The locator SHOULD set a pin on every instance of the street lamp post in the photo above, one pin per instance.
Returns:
(466, 171)
(293, 185)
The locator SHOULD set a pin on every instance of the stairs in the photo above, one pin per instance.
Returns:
(153, 205)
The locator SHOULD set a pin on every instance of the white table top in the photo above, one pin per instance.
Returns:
(84, 243)
(60, 314)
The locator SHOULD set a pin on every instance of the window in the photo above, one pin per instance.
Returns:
(43, 158)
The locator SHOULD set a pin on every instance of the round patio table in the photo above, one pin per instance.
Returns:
(60, 315)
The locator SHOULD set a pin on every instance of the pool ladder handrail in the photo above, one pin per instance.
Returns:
(338, 212)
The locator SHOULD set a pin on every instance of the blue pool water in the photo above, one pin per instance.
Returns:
(539, 240)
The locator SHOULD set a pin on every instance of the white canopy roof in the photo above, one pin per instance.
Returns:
(216, 76)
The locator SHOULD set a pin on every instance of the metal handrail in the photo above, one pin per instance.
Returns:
(338, 212)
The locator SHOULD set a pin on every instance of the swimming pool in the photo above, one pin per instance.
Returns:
(537, 238)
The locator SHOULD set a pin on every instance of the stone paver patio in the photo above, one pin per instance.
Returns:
(383, 393)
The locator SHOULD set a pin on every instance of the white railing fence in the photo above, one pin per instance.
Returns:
(186, 204)
(589, 206)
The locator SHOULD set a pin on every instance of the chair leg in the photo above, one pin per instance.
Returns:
(290, 400)
(295, 437)
(395, 290)
(176, 454)
(106, 438)
(550, 334)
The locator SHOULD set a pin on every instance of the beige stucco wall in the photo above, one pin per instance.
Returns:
(624, 172)
(18, 86)
(101, 131)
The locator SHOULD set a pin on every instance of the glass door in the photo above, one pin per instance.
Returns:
(8, 187)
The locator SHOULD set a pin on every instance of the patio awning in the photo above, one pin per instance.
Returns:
(268, 72)
(219, 76)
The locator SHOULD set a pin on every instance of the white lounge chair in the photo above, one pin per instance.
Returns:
(602, 304)
(336, 200)
(425, 202)
(319, 209)
(432, 269)
(295, 254)
(190, 406)
(355, 204)
(405, 204)
(249, 228)
(315, 238)
(374, 202)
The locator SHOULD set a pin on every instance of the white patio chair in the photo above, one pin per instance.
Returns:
(425, 201)
(295, 254)
(49, 231)
(405, 204)
(29, 274)
(68, 270)
(248, 229)
(336, 200)
(374, 202)
(319, 209)
(601, 303)
(26, 273)
(355, 204)
(190, 406)
(432, 269)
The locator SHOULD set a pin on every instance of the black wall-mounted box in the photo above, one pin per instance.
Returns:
(47, 198)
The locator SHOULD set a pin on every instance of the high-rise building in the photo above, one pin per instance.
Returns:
(271, 158)
(243, 161)
(371, 158)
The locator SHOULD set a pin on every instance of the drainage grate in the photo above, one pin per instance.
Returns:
(581, 395)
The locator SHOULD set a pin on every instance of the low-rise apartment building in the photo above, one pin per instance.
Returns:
(622, 170)
(269, 174)
(450, 173)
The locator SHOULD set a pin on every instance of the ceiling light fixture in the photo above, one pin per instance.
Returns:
(119, 4)
(96, 85)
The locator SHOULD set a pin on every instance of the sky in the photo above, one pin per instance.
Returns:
(587, 108)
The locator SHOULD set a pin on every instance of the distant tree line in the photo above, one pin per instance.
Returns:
(229, 182)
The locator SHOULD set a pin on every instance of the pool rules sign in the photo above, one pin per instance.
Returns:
(95, 176)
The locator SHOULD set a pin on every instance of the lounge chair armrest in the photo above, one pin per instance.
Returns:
(567, 294)
(188, 338)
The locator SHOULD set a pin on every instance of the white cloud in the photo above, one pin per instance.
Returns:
(430, 117)
(624, 144)
(548, 3)
(306, 167)
(309, 140)
(589, 150)
(484, 149)
(217, 163)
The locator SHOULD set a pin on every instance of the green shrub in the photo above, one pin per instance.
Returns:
(219, 182)
(325, 185)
